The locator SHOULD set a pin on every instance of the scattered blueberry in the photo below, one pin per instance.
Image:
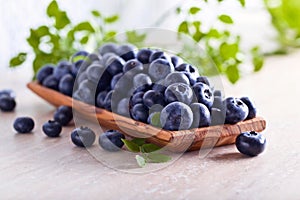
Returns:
(236, 110)
(52, 128)
(111, 140)
(63, 115)
(24, 124)
(176, 116)
(250, 143)
(8, 92)
(7, 103)
(83, 137)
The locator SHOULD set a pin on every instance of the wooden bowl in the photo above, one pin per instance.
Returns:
(178, 141)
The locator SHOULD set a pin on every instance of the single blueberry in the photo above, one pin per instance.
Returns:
(203, 79)
(251, 107)
(111, 140)
(250, 143)
(143, 55)
(66, 85)
(153, 97)
(51, 82)
(203, 94)
(114, 65)
(133, 64)
(176, 77)
(136, 99)
(79, 55)
(86, 92)
(139, 112)
(62, 68)
(108, 100)
(158, 87)
(75, 68)
(236, 110)
(140, 80)
(7, 103)
(179, 92)
(115, 80)
(52, 128)
(44, 72)
(160, 68)
(108, 48)
(100, 101)
(8, 92)
(159, 55)
(127, 51)
(63, 115)
(176, 61)
(176, 116)
(190, 71)
(201, 115)
(123, 107)
(83, 137)
(23, 124)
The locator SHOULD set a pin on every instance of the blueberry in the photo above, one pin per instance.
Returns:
(81, 77)
(114, 65)
(51, 82)
(24, 124)
(217, 116)
(143, 55)
(159, 55)
(139, 112)
(63, 115)
(79, 55)
(142, 88)
(100, 101)
(203, 94)
(76, 67)
(108, 48)
(44, 72)
(176, 61)
(136, 98)
(115, 80)
(189, 70)
(203, 79)
(62, 68)
(251, 107)
(201, 115)
(154, 119)
(123, 107)
(83, 137)
(176, 77)
(111, 140)
(179, 92)
(140, 80)
(158, 87)
(236, 110)
(95, 72)
(86, 92)
(8, 92)
(126, 51)
(52, 128)
(160, 68)
(250, 143)
(133, 64)
(66, 85)
(7, 103)
(93, 57)
(123, 86)
(176, 116)
(108, 100)
(153, 97)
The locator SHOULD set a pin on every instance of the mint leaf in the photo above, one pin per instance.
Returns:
(194, 10)
(183, 27)
(131, 146)
(158, 158)
(233, 73)
(18, 59)
(229, 50)
(111, 19)
(225, 19)
(148, 148)
(84, 26)
(96, 13)
(140, 160)
(242, 2)
(52, 9)
(139, 141)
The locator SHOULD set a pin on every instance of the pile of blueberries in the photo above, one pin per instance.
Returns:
(146, 85)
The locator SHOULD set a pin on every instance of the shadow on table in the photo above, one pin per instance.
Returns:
(228, 157)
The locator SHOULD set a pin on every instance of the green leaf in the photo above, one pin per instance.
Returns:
(194, 10)
(84, 26)
(61, 17)
(131, 146)
(18, 60)
(226, 19)
(111, 19)
(214, 33)
(135, 38)
(183, 27)
(155, 120)
(147, 148)
(242, 2)
(178, 10)
(233, 73)
(140, 160)
(229, 50)
(52, 9)
(84, 39)
(158, 158)
(139, 141)
(197, 36)
(96, 13)
(257, 59)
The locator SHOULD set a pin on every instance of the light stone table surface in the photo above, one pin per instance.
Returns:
(36, 167)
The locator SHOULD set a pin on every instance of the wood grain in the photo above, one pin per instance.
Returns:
(178, 141)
